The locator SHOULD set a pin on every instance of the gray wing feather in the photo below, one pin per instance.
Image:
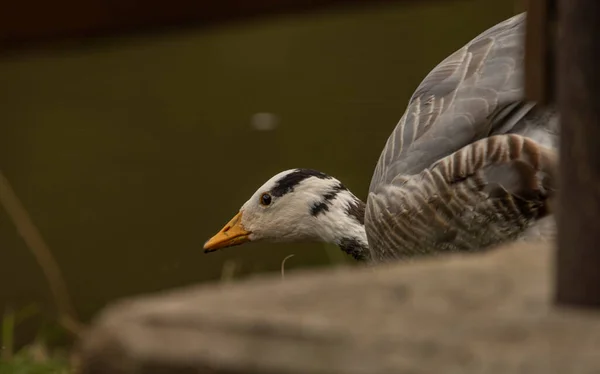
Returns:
(470, 163)
(461, 100)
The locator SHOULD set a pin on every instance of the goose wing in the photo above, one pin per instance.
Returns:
(461, 100)
(434, 174)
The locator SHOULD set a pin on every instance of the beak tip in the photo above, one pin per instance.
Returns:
(207, 248)
(232, 234)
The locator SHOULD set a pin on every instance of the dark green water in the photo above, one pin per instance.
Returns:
(130, 153)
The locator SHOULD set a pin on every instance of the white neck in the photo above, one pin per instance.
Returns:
(341, 222)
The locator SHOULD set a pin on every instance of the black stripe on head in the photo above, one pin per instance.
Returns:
(356, 209)
(323, 206)
(287, 183)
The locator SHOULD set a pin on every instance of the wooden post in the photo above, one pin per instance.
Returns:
(540, 51)
(578, 260)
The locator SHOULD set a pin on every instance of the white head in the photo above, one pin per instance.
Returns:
(298, 205)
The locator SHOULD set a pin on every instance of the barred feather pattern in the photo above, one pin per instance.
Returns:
(488, 192)
(470, 164)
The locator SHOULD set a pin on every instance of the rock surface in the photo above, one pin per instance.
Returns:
(479, 313)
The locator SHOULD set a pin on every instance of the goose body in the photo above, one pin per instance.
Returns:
(469, 165)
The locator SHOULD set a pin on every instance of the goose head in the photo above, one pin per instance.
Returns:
(298, 205)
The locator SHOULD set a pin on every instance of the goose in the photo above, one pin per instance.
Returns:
(470, 165)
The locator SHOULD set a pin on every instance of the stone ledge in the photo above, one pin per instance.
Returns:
(476, 313)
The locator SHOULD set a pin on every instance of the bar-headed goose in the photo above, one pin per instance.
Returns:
(469, 165)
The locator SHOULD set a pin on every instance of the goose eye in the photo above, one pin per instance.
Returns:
(265, 199)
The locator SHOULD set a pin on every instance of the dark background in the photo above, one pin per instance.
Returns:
(130, 151)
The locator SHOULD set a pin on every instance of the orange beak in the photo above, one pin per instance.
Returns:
(232, 234)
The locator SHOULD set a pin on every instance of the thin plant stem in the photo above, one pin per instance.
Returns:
(41, 252)
(283, 266)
